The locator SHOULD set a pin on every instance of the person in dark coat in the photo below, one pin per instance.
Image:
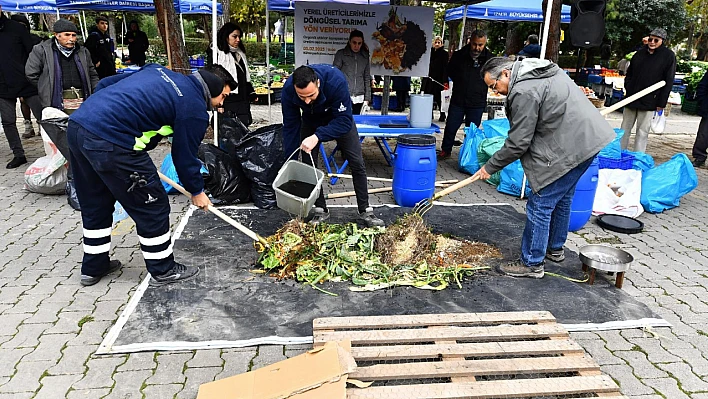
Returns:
(26, 114)
(469, 93)
(231, 55)
(15, 46)
(650, 65)
(100, 45)
(402, 86)
(435, 82)
(700, 146)
(137, 43)
(532, 49)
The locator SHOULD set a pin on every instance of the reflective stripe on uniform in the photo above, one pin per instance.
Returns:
(97, 249)
(155, 240)
(99, 233)
(142, 141)
(158, 255)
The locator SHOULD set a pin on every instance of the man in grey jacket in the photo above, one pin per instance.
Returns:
(62, 69)
(556, 132)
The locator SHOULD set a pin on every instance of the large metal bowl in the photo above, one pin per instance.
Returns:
(606, 258)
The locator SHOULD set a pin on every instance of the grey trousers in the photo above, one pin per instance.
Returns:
(8, 114)
(643, 119)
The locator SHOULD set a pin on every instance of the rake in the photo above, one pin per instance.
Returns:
(425, 205)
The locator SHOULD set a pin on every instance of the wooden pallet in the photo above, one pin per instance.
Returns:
(466, 355)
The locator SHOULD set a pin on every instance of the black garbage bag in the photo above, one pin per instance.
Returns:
(231, 131)
(56, 130)
(71, 192)
(261, 156)
(225, 181)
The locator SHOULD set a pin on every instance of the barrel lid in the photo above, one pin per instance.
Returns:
(620, 224)
(417, 140)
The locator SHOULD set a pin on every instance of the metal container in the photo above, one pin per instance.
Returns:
(296, 170)
(606, 258)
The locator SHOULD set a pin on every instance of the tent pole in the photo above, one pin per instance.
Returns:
(546, 26)
(81, 26)
(181, 24)
(267, 31)
(214, 49)
(122, 38)
(85, 26)
(443, 31)
(57, 13)
(285, 35)
(464, 23)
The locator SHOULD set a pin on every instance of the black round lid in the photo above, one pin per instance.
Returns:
(416, 140)
(620, 224)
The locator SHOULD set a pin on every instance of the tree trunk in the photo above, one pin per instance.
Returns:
(226, 7)
(514, 39)
(206, 21)
(259, 33)
(689, 47)
(168, 23)
(454, 35)
(553, 46)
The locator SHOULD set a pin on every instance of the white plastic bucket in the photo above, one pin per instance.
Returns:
(421, 110)
(296, 170)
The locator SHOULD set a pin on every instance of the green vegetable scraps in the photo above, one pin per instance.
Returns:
(406, 253)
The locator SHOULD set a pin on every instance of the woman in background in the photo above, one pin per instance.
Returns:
(231, 55)
(434, 83)
(353, 61)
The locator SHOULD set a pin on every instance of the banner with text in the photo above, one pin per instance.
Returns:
(399, 38)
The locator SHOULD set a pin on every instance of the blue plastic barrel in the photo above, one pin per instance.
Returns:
(414, 169)
(581, 207)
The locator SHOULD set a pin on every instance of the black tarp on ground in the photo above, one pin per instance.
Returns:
(228, 303)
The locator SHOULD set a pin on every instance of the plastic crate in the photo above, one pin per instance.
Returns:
(690, 107)
(624, 163)
(681, 89)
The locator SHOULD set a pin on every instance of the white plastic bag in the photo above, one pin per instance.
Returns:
(445, 98)
(658, 122)
(618, 193)
(674, 98)
(47, 175)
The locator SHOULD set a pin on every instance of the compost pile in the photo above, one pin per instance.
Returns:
(406, 253)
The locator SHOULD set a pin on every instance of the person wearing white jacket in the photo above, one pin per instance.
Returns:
(231, 54)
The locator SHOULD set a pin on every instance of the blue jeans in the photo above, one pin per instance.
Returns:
(548, 216)
(455, 116)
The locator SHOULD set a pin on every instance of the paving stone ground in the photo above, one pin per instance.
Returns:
(50, 326)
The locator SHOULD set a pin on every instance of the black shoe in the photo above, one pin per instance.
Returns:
(369, 219)
(456, 143)
(442, 117)
(518, 269)
(555, 255)
(16, 161)
(87, 281)
(178, 273)
(698, 164)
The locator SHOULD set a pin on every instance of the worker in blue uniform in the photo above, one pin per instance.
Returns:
(316, 108)
(110, 136)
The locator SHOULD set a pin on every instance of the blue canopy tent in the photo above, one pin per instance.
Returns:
(288, 6)
(33, 7)
(505, 10)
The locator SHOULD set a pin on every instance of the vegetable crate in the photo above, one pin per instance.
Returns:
(466, 355)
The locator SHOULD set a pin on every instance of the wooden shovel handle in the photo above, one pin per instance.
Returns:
(455, 187)
(633, 97)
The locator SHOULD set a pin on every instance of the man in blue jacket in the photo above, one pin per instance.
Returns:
(317, 107)
(110, 136)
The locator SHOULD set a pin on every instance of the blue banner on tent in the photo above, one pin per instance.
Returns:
(143, 6)
(505, 10)
(33, 7)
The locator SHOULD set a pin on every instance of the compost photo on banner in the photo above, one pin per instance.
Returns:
(398, 37)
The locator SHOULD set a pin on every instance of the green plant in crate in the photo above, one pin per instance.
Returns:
(693, 79)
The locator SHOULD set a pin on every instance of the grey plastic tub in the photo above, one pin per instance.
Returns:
(296, 170)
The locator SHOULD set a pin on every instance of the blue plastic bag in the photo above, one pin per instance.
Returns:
(168, 169)
(496, 127)
(467, 160)
(664, 185)
(511, 179)
(642, 161)
(119, 213)
(614, 149)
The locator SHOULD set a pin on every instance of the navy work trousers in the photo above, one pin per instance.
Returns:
(102, 173)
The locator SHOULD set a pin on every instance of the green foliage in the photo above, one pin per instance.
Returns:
(693, 79)
(628, 21)
(683, 67)
(255, 52)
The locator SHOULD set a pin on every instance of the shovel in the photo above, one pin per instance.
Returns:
(245, 230)
(425, 205)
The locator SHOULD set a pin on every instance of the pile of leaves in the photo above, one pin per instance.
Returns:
(406, 253)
